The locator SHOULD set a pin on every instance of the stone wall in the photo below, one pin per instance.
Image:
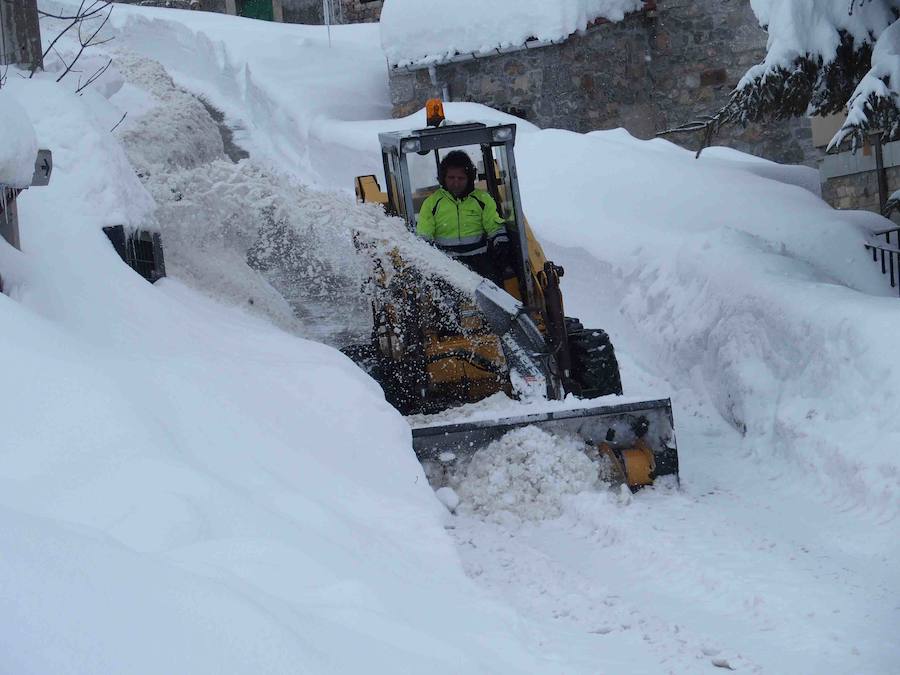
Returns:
(303, 11)
(859, 190)
(652, 71)
(361, 11)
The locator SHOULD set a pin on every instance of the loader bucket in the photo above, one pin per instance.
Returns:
(624, 432)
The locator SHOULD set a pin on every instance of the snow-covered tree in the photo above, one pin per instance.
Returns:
(824, 56)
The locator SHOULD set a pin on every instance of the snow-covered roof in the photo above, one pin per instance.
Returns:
(18, 144)
(415, 32)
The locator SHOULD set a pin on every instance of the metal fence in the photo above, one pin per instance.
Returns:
(887, 252)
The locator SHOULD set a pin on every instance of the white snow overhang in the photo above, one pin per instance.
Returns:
(649, 10)
(460, 58)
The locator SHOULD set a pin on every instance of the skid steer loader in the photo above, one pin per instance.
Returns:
(430, 353)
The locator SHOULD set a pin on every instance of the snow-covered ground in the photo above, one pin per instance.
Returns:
(186, 486)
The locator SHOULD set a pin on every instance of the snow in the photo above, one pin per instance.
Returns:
(19, 147)
(186, 484)
(186, 487)
(297, 114)
(430, 31)
(448, 498)
(526, 474)
(762, 294)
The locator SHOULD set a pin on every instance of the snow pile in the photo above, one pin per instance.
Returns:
(182, 486)
(753, 290)
(298, 87)
(18, 146)
(185, 487)
(736, 276)
(431, 31)
(248, 236)
(527, 473)
(166, 128)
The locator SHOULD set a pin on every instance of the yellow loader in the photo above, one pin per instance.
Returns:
(434, 348)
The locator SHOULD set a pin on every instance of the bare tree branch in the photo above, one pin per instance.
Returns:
(95, 8)
(60, 57)
(708, 124)
(93, 78)
(119, 122)
(91, 40)
(87, 10)
(54, 41)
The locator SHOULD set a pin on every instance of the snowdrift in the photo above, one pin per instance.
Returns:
(747, 286)
(293, 115)
(19, 147)
(739, 278)
(186, 488)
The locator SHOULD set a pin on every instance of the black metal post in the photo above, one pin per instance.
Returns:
(881, 174)
(9, 216)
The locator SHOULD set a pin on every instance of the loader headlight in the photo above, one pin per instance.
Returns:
(411, 145)
(502, 134)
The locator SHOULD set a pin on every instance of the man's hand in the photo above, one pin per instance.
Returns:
(501, 254)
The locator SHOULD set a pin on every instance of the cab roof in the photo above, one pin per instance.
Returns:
(449, 136)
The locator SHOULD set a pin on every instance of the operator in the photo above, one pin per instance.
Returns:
(464, 222)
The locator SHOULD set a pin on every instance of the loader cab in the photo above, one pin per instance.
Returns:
(411, 160)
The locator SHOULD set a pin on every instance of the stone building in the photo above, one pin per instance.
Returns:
(853, 180)
(656, 69)
(343, 11)
(361, 11)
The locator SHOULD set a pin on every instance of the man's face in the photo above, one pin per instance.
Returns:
(456, 180)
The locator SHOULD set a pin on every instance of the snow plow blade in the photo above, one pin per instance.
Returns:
(637, 438)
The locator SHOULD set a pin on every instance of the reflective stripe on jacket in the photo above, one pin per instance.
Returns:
(462, 227)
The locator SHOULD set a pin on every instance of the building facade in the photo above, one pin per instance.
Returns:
(361, 11)
(655, 70)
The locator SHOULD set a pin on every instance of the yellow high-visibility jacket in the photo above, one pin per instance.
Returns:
(462, 227)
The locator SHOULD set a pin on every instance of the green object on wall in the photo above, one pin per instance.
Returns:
(258, 9)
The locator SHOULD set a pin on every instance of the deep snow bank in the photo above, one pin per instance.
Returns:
(750, 289)
(19, 145)
(745, 284)
(184, 487)
(287, 87)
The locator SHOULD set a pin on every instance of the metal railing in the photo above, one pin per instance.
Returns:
(887, 252)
